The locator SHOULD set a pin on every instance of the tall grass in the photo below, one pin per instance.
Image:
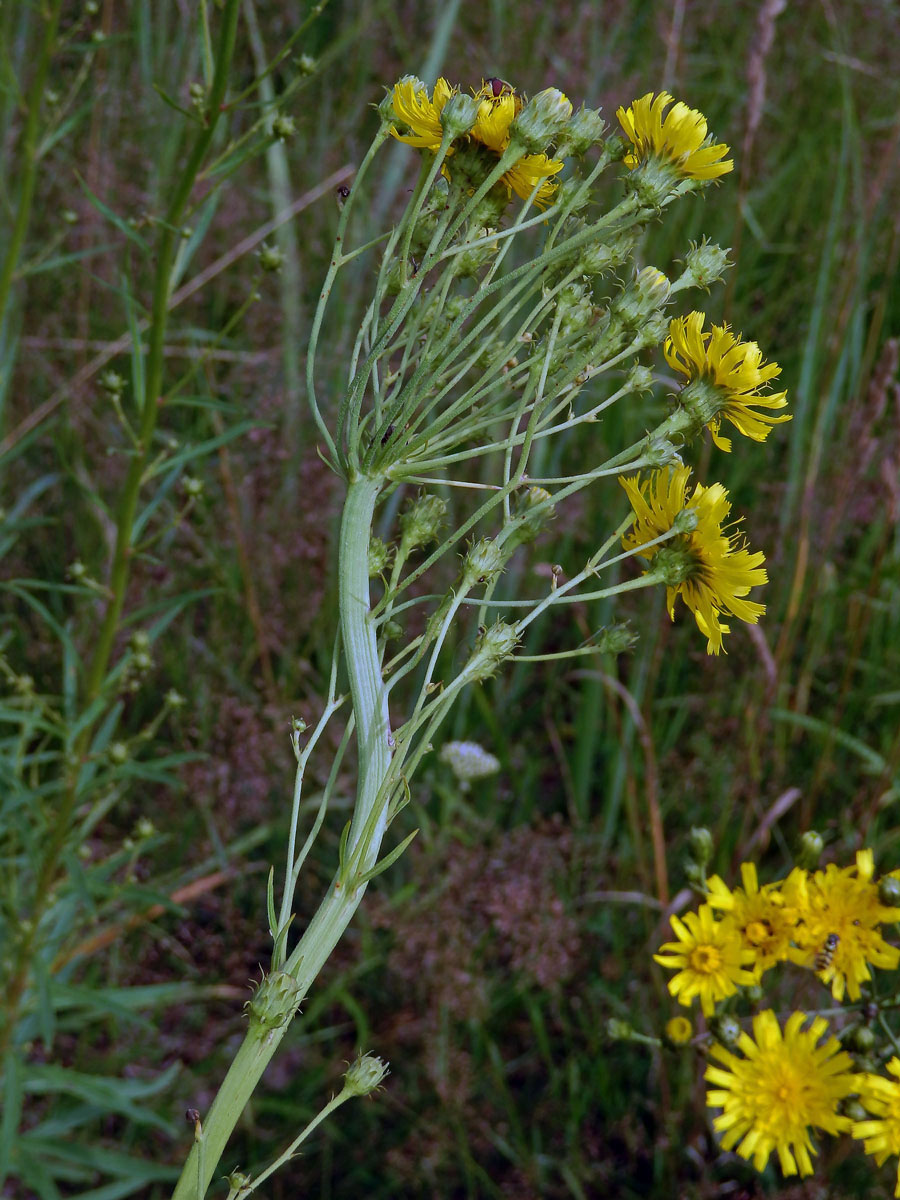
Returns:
(503, 1083)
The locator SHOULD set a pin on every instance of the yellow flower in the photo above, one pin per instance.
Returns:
(527, 173)
(498, 109)
(779, 1088)
(680, 139)
(763, 915)
(711, 570)
(709, 958)
(735, 371)
(679, 1031)
(838, 935)
(420, 113)
(880, 1135)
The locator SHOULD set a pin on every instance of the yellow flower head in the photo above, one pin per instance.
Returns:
(679, 140)
(419, 112)
(838, 935)
(880, 1134)
(781, 1086)
(709, 957)
(525, 175)
(498, 109)
(763, 915)
(711, 569)
(734, 371)
(679, 1031)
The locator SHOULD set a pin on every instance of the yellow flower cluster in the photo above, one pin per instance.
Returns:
(784, 1082)
(829, 921)
(711, 569)
(499, 105)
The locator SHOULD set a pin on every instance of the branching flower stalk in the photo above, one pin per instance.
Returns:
(497, 328)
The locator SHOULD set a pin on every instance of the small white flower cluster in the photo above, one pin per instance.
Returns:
(468, 761)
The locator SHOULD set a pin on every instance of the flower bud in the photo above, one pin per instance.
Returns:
(306, 64)
(851, 1107)
(703, 265)
(365, 1075)
(862, 1038)
(810, 850)
(640, 379)
(118, 753)
(531, 512)
(643, 298)
(459, 114)
(484, 562)
(174, 699)
(271, 258)
(686, 521)
(700, 845)
(573, 194)
(275, 1000)
(421, 522)
(601, 257)
(585, 129)
(193, 487)
(492, 646)
(283, 128)
(576, 308)
(615, 639)
(679, 1031)
(660, 452)
(542, 119)
(725, 1029)
(379, 556)
(618, 1031)
(112, 383)
(889, 891)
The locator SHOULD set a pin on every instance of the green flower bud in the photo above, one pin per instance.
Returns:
(459, 114)
(585, 129)
(118, 753)
(810, 850)
(573, 194)
(615, 639)
(889, 891)
(483, 563)
(275, 1000)
(391, 630)
(193, 487)
(421, 522)
(686, 521)
(695, 875)
(77, 570)
(725, 1029)
(862, 1038)
(237, 1182)
(365, 1075)
(600, 257)
(283, 127)
(141, 661)
(379, 556)
(531, 513)
(704, 264)
(644, 297)
(542, 119)
(576, 307)
(619, 1031)
(306, 64)
(700, 845)
(851, 1107)
(144, 828)
(174, 699)
(298, 725)
(469, 262)
(640, 379)
(271, 258)
(492, 646)
(673, 566)
(139, 641)
(659, 452)
(112, 383)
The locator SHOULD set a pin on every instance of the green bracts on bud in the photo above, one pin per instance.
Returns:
(585, 129)
(379, 556)
(541, 121)
(365, 1075)
(700, 845)
(703, 265)
(484, 562)
(889, 891)
(459, 114)
(421, 522)
(725, 1029)
(644, 297)
(531, 512)
(492, 647)
(275, 1001)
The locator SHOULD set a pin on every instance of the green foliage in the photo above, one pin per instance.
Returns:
(230, 583)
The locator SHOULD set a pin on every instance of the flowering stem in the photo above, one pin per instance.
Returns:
(367, 828)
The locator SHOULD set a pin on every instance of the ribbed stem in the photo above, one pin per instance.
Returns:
(337, 908)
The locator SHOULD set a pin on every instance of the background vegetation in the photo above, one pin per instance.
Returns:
(503, 1083)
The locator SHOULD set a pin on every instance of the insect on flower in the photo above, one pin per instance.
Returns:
(824, 958)
(493, 88)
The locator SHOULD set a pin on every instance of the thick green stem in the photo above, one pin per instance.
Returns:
(370, 710)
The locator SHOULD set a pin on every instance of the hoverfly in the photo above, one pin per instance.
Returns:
(825, 956)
